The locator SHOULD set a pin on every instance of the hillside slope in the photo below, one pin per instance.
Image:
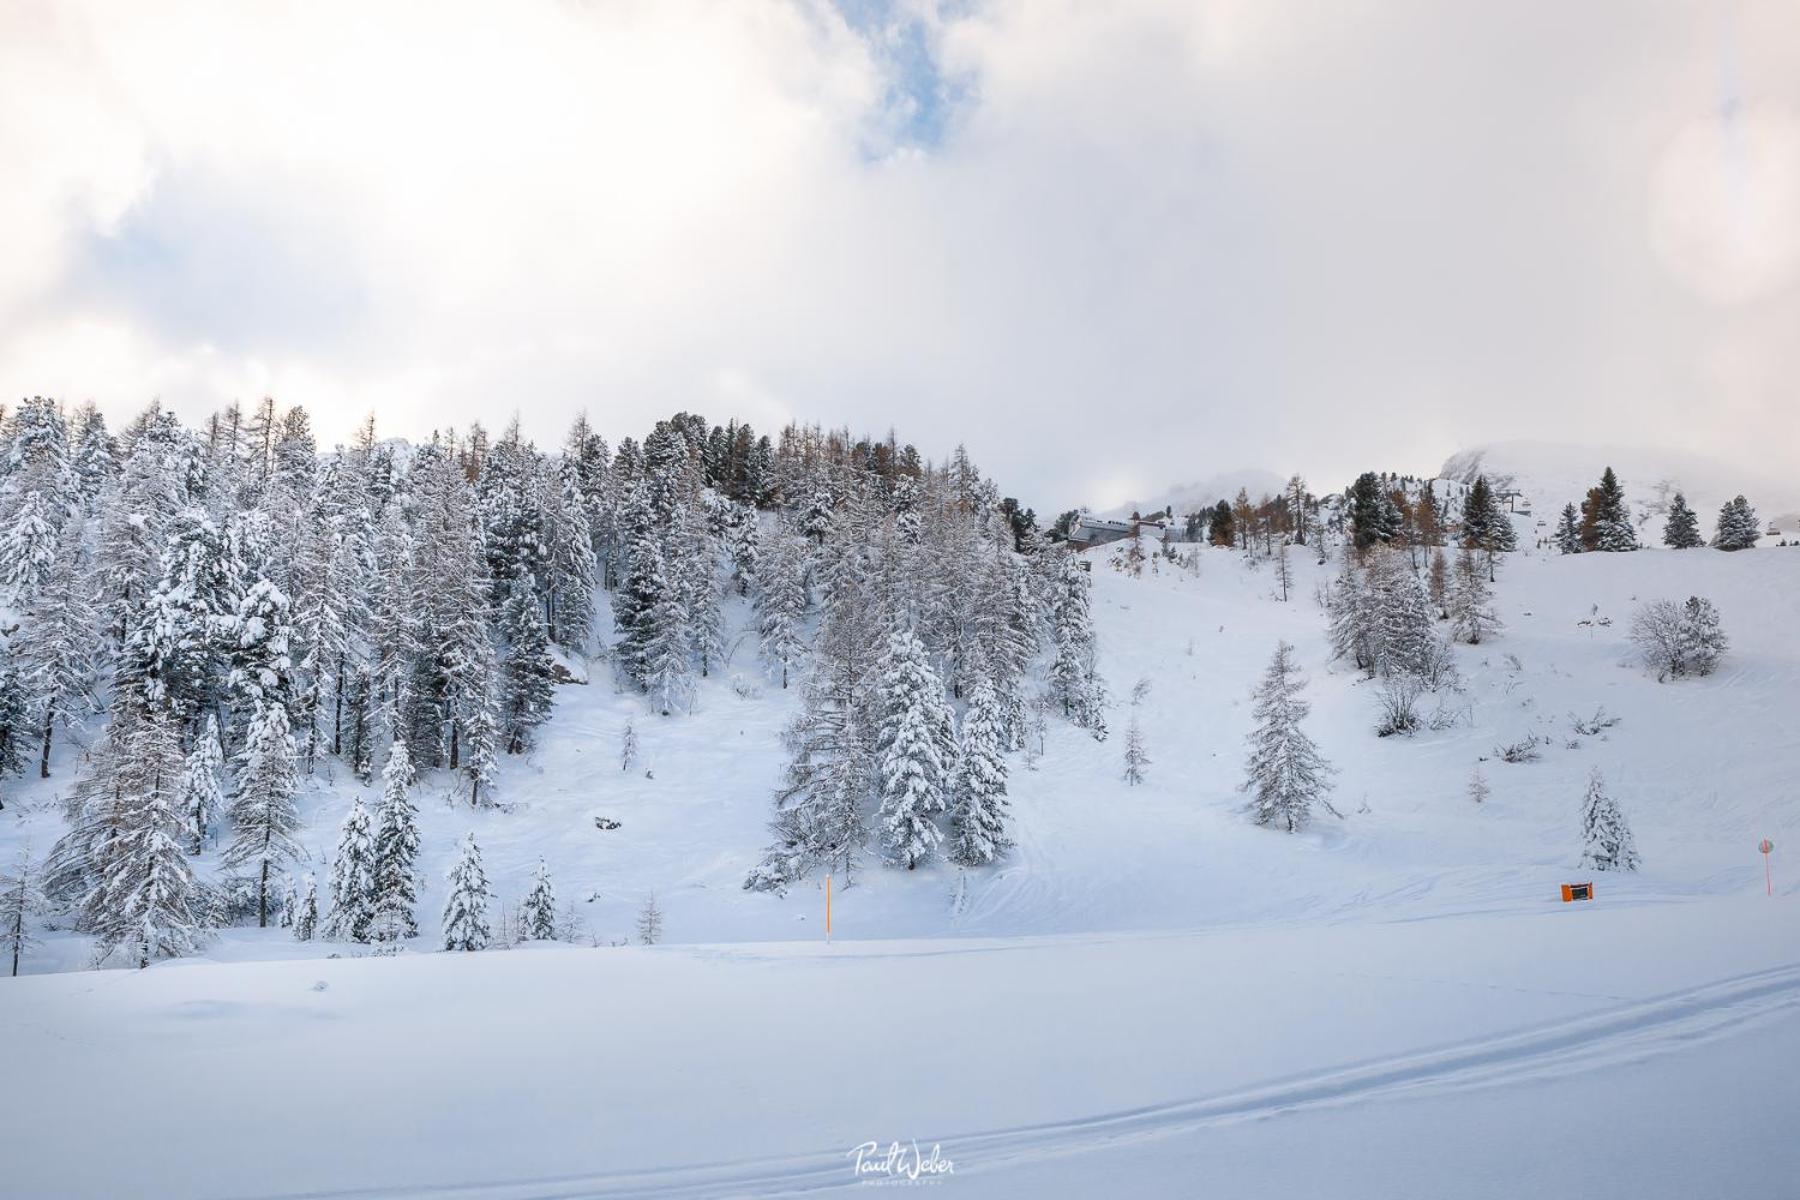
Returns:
(1701, 767)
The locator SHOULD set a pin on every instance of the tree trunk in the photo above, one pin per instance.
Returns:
(44, 765)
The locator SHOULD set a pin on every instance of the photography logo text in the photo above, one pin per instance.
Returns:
(899, 1162)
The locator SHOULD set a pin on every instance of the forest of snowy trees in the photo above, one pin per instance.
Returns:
(214, 615)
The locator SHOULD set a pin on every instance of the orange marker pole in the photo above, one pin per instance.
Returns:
(1768, 878)
(828, 910)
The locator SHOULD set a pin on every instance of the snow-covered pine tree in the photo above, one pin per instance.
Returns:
(1701, 636)
(820, 808)
(1478, 787)
(781, 602)
(527, 671)
(1738, 527)
(649, 922)
(396, 848)
(979, 808)
(1437, 583)
(58, 644)
(697, 570)
(145, 900)
(20, 901)
(1350, 610)
(537, 914)
(262, 810)
(1136, 757)
(306, 911)
(175, 647)
(28, 544)
(912, 766)
(1285, 773)
(1472, 616)
(662, 647)
(628, 746)
(480, 737)
(1401, 634)
(465, 909)
(1681, 530)
(1606, 518)
(1607, 844)
(1568, 531)
(1073, 678)
(200, 800)
(353, 877)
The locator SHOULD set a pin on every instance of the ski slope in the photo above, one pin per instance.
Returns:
(1149, 996)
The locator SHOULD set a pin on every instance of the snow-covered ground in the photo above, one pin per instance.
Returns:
(1150, 996)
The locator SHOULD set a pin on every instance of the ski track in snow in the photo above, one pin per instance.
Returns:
(1623, 1034)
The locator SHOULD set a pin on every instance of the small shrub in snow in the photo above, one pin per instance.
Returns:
(1522, 751)
(744, 688)
(1478, 787)
(1397, 701)
(1136, 758)
(1592, 726)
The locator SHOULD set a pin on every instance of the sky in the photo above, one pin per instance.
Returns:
(1109, 247)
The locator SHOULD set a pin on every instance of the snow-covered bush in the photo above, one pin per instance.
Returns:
(1674, 640)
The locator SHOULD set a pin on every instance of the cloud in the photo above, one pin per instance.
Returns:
(1109, 247)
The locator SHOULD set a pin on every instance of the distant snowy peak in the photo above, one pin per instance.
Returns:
(1205, 493)
(1550, 475)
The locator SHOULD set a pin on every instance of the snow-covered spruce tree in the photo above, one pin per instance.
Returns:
(144, 900)
(465, 909)
(200, 800)
(820, 816)
(697, 568)
(1606, 519)
(569, 568)
(1607, 844)
(527, 672)
(1702, 637)
(1568, 530)
(175, 648)
(537, 914)
(1286, 775)
(912, 760)
(1350, 610)
(20, 901)
(1738, 526)
(781, 603)
(396, 848)
(1136, 757)
(353, 877)
(1401, 634)
(479, 720)
(1073, 678)
(1485, 525)
(1472, 616)
(58, 644)
(628, 746)
(28, 544)
(262, 809)
(306, 911)
(1681, 531)
(978, 806)
(1478, 789)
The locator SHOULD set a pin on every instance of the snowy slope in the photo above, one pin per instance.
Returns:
(1149, 995)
